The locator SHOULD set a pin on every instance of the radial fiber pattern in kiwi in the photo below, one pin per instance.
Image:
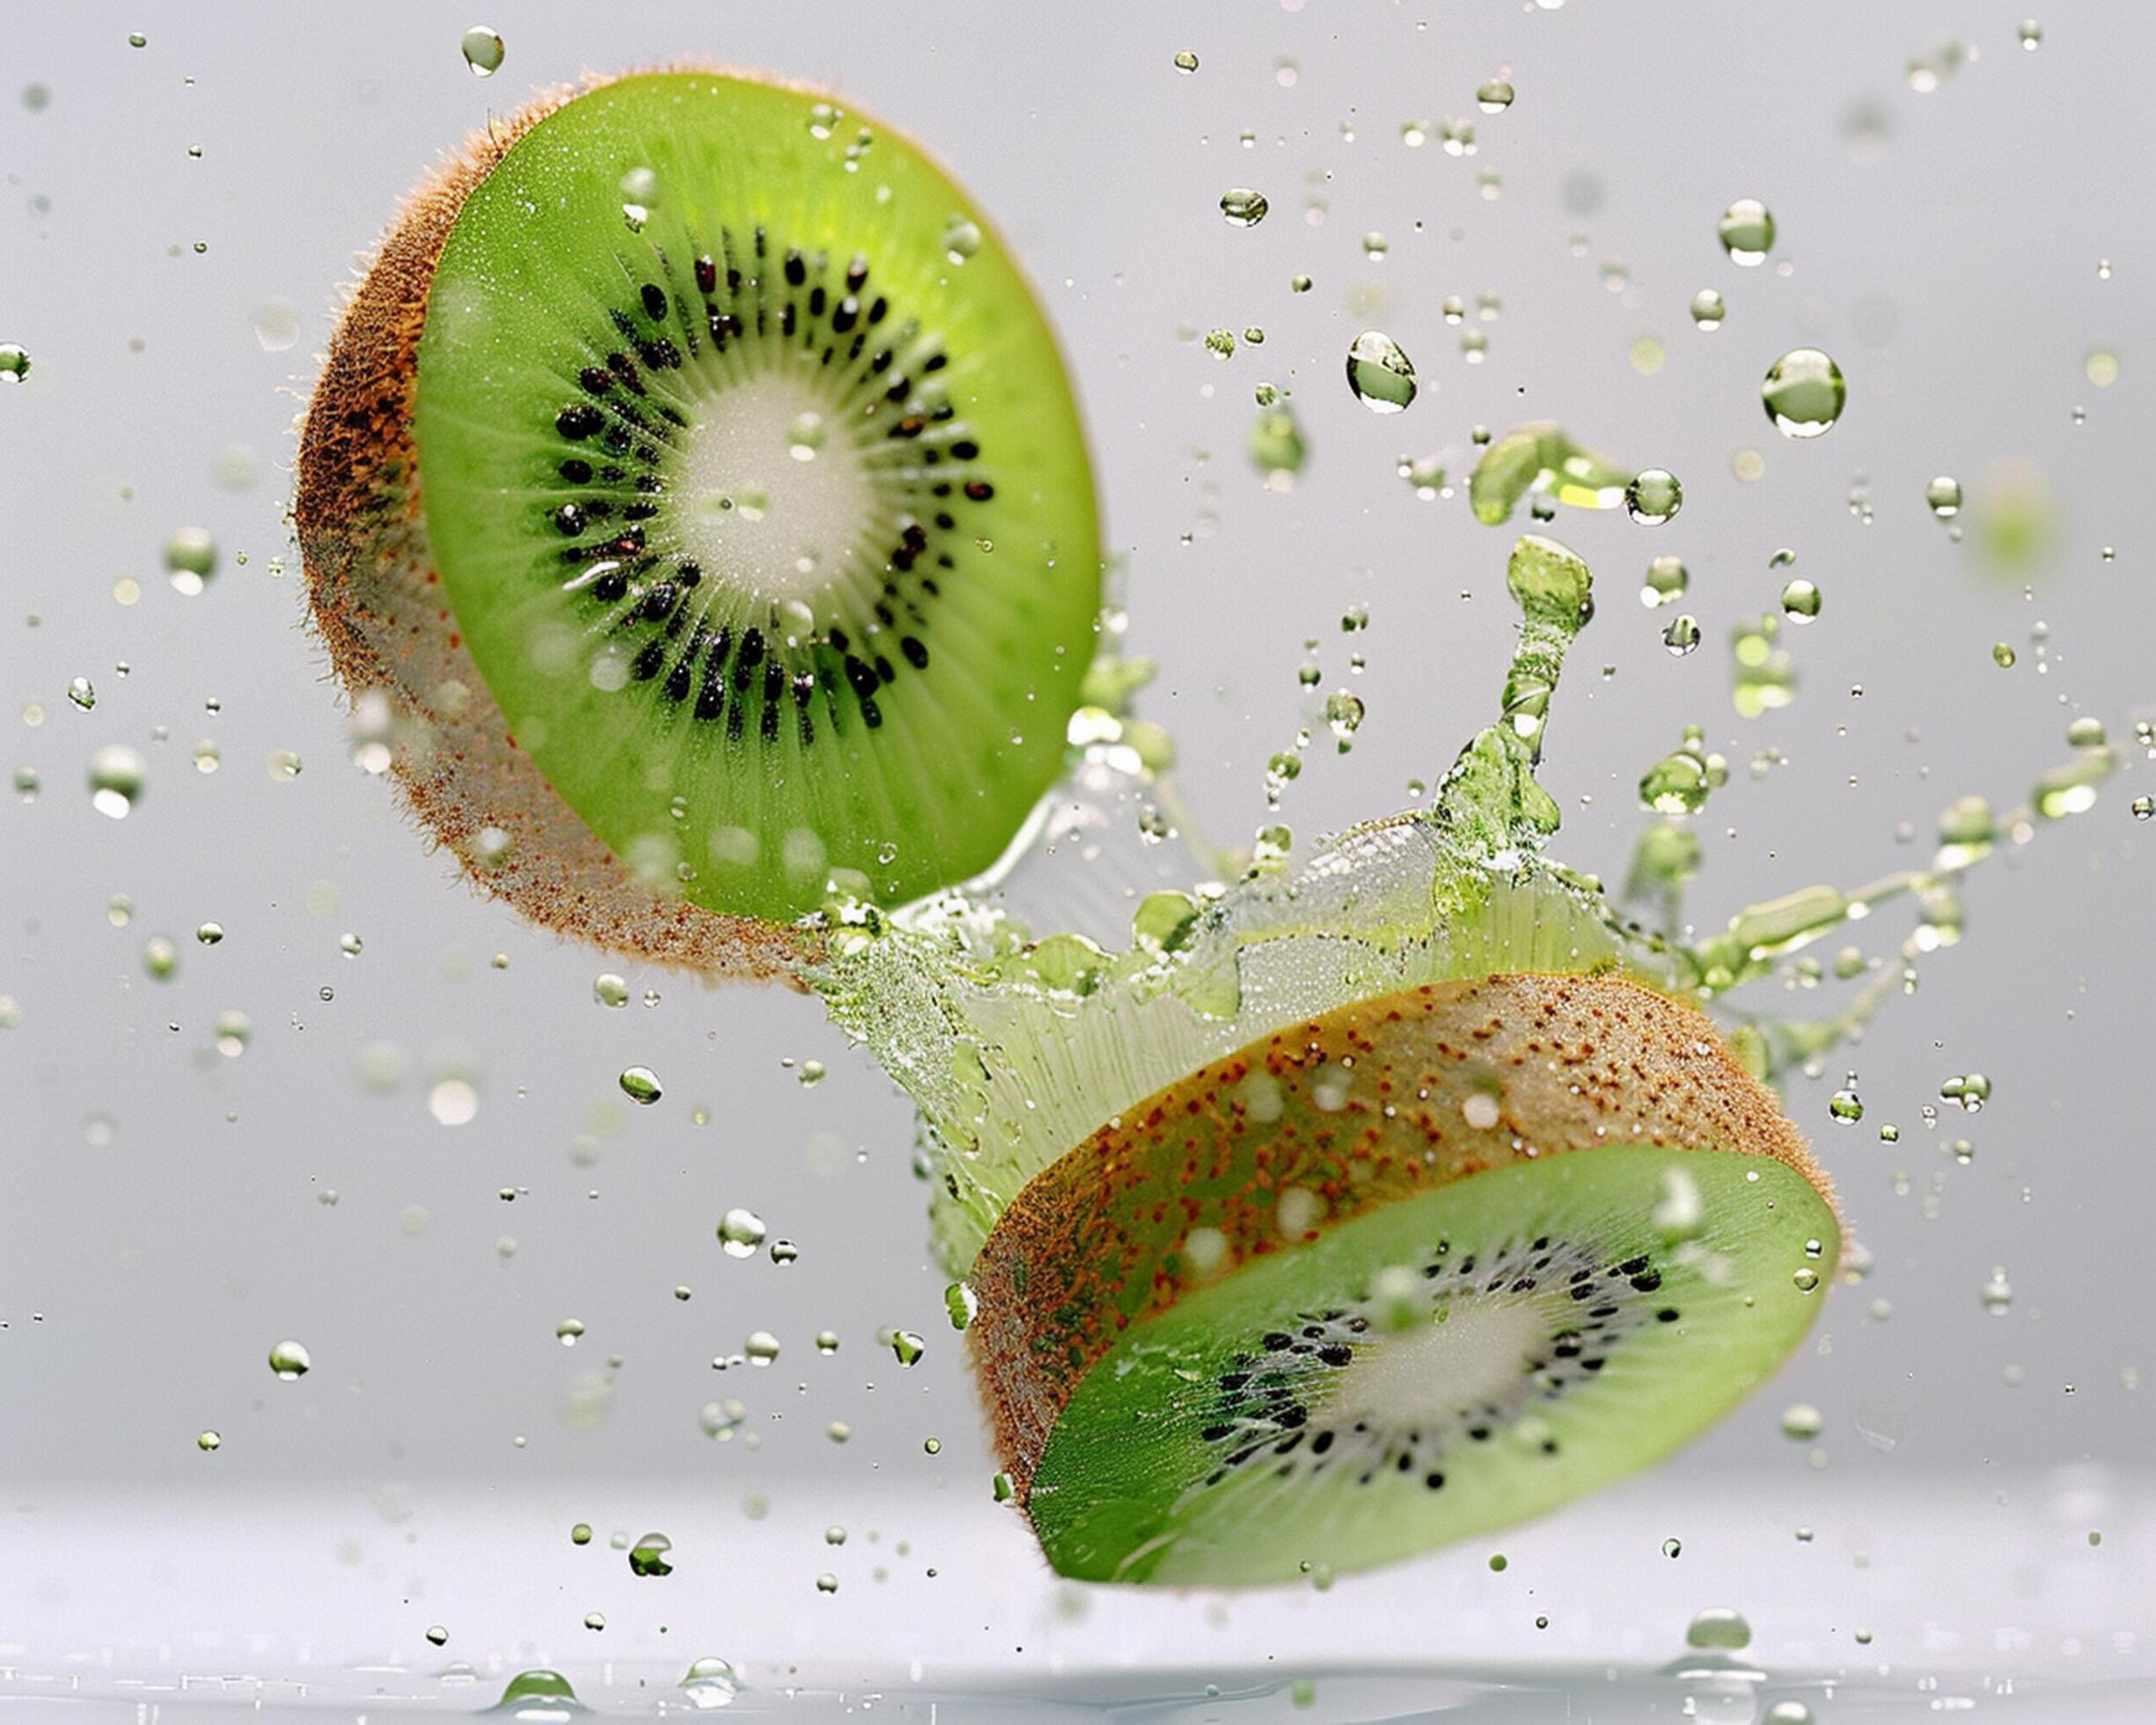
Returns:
(746, 305)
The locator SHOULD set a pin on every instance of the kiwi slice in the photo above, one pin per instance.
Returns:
(1419, 1267)
(696, 476)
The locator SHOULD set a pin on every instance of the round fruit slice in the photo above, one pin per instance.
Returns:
(1420, 1268)
(695, 457)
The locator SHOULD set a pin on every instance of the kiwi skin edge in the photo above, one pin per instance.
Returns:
(377, 603)
(1088, 1247)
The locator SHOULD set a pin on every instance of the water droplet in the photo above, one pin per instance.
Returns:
(1243, 207)
(648, 1556)
(117, 775)
(568, 1330)
(453, 1102)
(282, 764)
(1001, 1489)
(135, 39)
(1803, 392)
(1276, 447)
(1746, 232)
(1344, 713)
(1654, 496)
(210, 933)
(960, 1304)
(1682, 636)
(639, 197)
(907, 1347)
(761, 1347)
(1186, 62)
(289, 1360)
(1804, 1279)
(2144, 808)
(1666, 578)
(2031, 35)
(1494, 95)
(1787, 1713)
(1846, 1107)
(641, 1085)
(962, 239)
(1708, 309)
(1379, 374)
(710, 1683)
(1997, 1294)
(208, 1441)
(1720, 1628)
(81, 692)
(1800, 601)
(231, 1031)
(610, 990)
(2003, 655)
(741, 1232)
(1944, 495)
(1801, 1422)
(1675, 785)
(14, 361)
(482, 51)
(1673, 1548)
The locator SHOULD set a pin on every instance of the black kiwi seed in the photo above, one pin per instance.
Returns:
(1286, 1374)
(804, 304)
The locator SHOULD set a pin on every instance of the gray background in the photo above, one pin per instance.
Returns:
(142, 1281)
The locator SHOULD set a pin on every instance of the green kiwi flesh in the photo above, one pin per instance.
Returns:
(763, 506)
(1421, 1267)
(740, 501)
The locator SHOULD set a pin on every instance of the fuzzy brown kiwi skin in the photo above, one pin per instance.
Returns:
(377, 604)
(1088, 1247)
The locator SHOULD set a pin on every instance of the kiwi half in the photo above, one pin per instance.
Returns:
(696, 477)
(1420, 1265)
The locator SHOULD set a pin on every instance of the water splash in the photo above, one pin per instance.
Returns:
(1015, 1046)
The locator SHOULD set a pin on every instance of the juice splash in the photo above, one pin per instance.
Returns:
(1014, 1044)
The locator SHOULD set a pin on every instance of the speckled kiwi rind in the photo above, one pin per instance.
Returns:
(376, 603)
(1091, 1245)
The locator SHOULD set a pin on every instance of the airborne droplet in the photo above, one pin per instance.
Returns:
(1654, 496)
(1381, 376)
(1746, 232)
(289, 1360)
(482, 51)
(1803, 392)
